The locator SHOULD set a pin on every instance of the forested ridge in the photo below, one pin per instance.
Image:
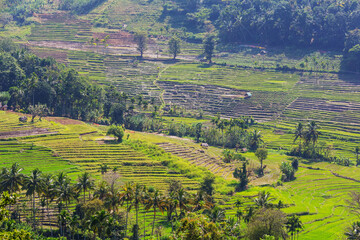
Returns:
(303, 23)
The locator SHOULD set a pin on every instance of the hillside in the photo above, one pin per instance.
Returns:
(281, 77)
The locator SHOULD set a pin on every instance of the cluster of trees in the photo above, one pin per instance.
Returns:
(106, 210)
(79, 6)
(308, 147)
(19, 11)
(230, 133)
(29, 83)
(302, 23)
(351, 58)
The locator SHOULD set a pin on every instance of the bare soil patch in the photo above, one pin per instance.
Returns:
(64, 121)
(25, 133)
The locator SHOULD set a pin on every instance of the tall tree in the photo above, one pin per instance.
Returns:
(174, 46)
(357, 152)
(48, 193)
(209, 46)
(33, 185)
(261, 154)
(353, 232)
(156, 202)
(85, 183)
(140, 39)
(299, 134)
(294, 225)
(127, 196)
(255, 139)
(207, 184)
(12, 179)
(312, 133)
(138, 191)
(242, 175)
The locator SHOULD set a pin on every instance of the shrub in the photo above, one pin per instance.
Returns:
(288, 172)
(116, 131)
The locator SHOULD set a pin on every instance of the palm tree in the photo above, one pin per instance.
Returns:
(112, 198)
(12, 180)
(48, 193)
(34, 184)
(66, 192)
(63, 219)
(98, 222)
(137, 196)
(312, 133)
(263, 199)
(127, 196)
(104, 168)
(182, 199)
(60, 179)
(238, 203)
(102, 190)
(353, 232)
(202, 200)
(299, 134)
(156, 201)
(255, 139)
(145, 200)
(85, 183)
(216, 214)
(294, 225)
(357, 152)
(74, 224)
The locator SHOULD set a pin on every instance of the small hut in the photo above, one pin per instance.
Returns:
(248, 95)
(204, 145)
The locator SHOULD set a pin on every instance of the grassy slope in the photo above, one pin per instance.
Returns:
(322, 200)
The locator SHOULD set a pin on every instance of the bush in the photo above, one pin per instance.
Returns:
(116, 131)
(288, 172)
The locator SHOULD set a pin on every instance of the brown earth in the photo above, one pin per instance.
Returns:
(25, 133)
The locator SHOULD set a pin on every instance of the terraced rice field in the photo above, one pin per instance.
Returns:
(199, 158)
(316, 195)
(77, 144)
(61, 27)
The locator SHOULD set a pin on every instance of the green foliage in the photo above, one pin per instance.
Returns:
(242, 175)
(141, 41)
(174, 46)
(209, 46)
(117, 131)
(79, 6)
(38, 110)
(261, 154)
(243, 21)
(4, 97)
(267, 222)
(198, 227)
(353, 232)
(26, 77)
(288, 172)
(207, 184)
(351, 59)
(231, 156)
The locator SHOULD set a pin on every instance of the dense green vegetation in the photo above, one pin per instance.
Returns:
(262, 140)
(79, 6)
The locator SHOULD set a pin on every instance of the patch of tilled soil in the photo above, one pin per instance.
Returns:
(25, 133)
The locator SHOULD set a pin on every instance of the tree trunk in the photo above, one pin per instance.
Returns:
(48, 213)
(144, 223)
(34, 217)
(137, 214)
(127, 214)
(152, 232)
(84, 195)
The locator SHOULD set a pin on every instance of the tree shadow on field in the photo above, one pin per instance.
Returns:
(205, 65)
